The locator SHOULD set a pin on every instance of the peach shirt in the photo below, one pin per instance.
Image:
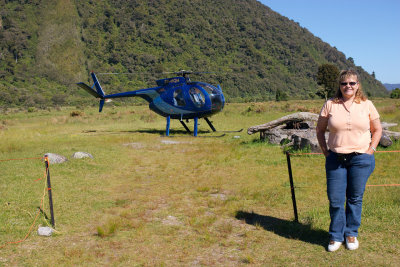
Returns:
(349, 130)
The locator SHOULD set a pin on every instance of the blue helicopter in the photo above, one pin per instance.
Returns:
(173, 98)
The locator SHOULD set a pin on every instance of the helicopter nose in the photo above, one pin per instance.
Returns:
(217, 102)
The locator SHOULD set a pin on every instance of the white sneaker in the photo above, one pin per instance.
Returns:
(351, 242)
(334, 245)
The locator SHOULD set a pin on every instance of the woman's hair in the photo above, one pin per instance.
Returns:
(342, 76)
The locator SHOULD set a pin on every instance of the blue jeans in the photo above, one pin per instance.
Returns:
(346, 180)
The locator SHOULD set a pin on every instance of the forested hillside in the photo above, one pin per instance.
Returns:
(46, 46)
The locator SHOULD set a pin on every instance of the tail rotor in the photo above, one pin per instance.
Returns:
(98, 93)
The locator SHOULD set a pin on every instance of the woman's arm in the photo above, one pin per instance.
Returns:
(322, 124)
(376, 131)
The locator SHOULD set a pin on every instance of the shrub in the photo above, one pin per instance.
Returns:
(395, 93)
(76, 113)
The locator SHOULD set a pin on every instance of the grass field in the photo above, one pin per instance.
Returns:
(148, 200)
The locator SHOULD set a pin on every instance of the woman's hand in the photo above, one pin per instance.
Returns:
(370, 151)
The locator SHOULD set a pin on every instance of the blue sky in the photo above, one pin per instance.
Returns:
(366, 30)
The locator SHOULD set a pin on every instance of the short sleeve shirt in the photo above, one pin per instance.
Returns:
(349, 130)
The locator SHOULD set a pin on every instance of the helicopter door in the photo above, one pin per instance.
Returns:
(197, 97)
(178, 99)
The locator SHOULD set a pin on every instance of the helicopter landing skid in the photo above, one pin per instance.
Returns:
(195, 131)
(234, 131)
(200, 136)
(212, 136)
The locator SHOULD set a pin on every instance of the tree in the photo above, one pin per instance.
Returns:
(327, 77)
(280, 96)
(395, 93)
(351, 60)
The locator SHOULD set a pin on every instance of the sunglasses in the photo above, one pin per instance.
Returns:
(350, 83)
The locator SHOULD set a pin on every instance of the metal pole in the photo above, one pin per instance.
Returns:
(296, 218)
(195, 126)
(46, 160)
(168, 124)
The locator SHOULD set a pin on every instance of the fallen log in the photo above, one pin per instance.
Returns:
(293, 118)
(386, 125)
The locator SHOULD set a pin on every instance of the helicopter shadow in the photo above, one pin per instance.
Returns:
(173, 132)
(285, 228)
(149, 131)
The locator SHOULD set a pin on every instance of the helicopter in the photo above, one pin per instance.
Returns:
(173, 98)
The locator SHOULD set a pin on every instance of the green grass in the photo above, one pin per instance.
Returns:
(143, 201)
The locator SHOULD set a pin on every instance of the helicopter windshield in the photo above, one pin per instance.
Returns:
(215, 96)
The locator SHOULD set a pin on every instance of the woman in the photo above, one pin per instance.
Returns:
(354, 133)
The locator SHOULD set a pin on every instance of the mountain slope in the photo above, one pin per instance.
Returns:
(253, 49)
(390, 86)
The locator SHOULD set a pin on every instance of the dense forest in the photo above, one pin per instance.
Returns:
(47, 46)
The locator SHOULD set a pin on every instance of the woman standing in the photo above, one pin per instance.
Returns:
(354, 133)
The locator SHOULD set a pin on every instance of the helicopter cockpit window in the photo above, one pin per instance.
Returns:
(197, 97)
(179, 101)
(209, 89)
(215, 96)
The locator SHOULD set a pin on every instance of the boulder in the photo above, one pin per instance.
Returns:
(45, 231)
(55, 158)
(81, 155)
(385, 140)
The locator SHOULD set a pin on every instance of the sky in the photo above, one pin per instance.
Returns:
(366, 30)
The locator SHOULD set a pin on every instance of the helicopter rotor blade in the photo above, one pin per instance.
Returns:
(123, 73)
(179, 73)
(186, 72)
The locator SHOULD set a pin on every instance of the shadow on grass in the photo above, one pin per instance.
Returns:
(150, 131)
(285, 228)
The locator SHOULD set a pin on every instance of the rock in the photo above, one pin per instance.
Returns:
(302, 140)
(45, 231)
(303, 143)
(55, 158)
(81, 155)
(385, 140)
